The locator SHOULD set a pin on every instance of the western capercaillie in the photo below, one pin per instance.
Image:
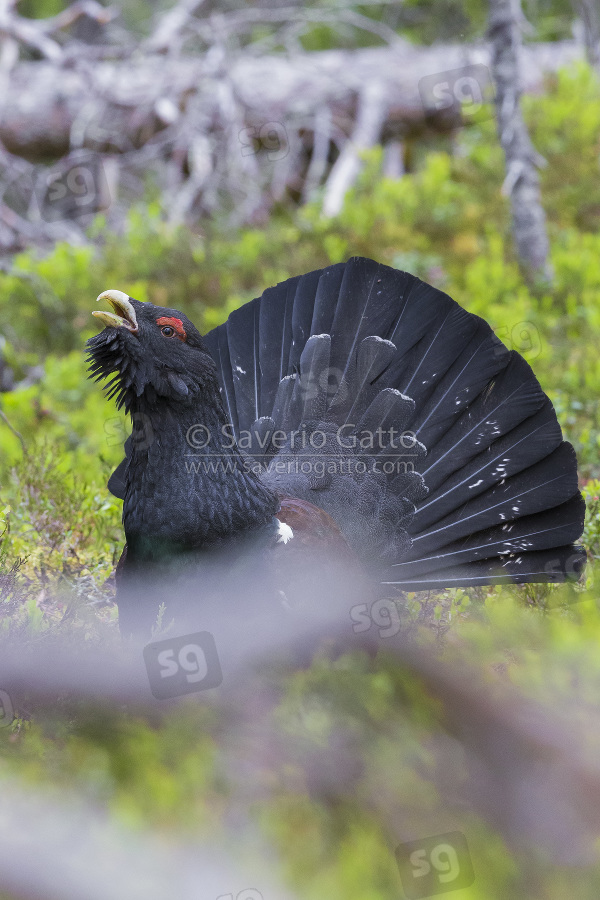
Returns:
(354, 411)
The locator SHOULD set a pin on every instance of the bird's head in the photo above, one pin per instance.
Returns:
(154, 353)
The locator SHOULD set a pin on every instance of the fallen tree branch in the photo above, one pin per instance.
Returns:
(226, 124)
(37, 114)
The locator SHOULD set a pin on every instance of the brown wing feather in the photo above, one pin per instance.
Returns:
(315, 568)
(313, 528)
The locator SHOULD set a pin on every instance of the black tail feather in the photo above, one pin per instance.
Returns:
(302, 314)
(419, 308)
(275, 339)
(556, 565)
(427, 363)
(541, 487)
(503, 404)
(541, 531)
(519, 449)
(326, 297)
(367, 305)
(243, 334)
(483, 358)
(218, 346)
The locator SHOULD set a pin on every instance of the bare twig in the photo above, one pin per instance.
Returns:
(372, 107)
(89, 8)
(170, 26)
(16, 433)
(24, 31)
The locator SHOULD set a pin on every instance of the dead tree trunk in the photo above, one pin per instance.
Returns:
(589, 17)
(522, 183)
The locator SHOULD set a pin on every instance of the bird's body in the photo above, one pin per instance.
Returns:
(366, 411)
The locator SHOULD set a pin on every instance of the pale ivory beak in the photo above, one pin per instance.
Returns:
(124, 313)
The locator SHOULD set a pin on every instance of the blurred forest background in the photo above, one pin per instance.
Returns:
(192, 156)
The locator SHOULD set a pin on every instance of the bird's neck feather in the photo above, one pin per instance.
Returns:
(180, 496)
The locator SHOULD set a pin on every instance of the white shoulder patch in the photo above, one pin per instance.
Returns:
(284, 533)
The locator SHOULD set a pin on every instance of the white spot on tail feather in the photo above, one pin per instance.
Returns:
(284, 533)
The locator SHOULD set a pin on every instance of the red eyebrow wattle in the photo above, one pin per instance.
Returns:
(177, 324)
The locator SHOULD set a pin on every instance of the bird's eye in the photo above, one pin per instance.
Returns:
(170, 327)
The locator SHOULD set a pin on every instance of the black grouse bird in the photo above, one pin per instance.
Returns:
(354, 410)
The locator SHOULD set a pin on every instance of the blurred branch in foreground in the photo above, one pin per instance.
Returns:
(528, 771)
(54, 845)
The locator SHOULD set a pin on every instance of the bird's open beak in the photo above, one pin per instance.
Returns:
(123, 315)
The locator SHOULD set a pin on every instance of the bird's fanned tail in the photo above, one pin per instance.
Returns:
(363, 346)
